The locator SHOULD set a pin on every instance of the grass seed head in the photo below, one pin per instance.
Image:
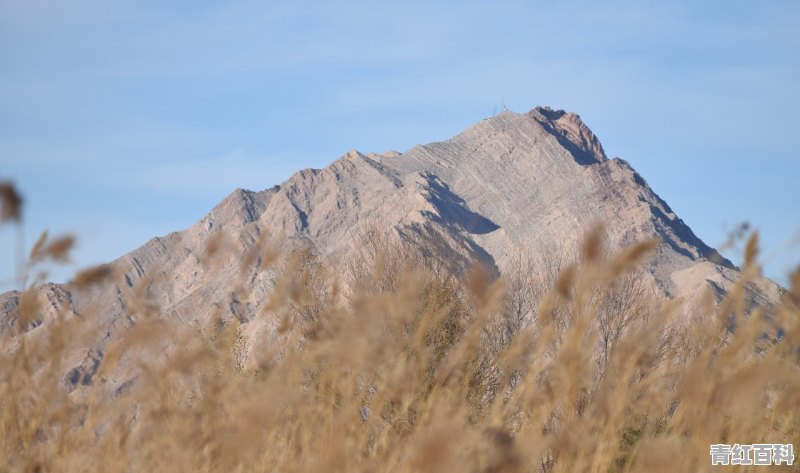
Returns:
(10, 203)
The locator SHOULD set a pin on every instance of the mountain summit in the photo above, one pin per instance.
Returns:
(514, 183)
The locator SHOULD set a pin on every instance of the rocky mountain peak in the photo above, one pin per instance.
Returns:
(511, 184)
(578, 137)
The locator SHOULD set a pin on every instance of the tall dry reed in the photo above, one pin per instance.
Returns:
(399, 363)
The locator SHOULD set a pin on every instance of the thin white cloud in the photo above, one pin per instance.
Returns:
(217, 175)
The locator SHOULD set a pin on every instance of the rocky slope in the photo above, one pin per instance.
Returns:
(512, 183)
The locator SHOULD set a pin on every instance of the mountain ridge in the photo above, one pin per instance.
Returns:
(512, 183)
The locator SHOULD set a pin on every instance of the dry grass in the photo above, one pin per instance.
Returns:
(575, 368)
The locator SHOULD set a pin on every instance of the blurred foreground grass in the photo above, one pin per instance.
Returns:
(399, 363)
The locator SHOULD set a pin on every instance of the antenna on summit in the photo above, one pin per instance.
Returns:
(503, 104)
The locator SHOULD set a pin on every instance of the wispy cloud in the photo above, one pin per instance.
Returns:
(216, 175)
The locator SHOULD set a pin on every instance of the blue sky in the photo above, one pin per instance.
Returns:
(123, 120)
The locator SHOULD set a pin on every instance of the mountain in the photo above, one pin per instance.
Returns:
(513, 183)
